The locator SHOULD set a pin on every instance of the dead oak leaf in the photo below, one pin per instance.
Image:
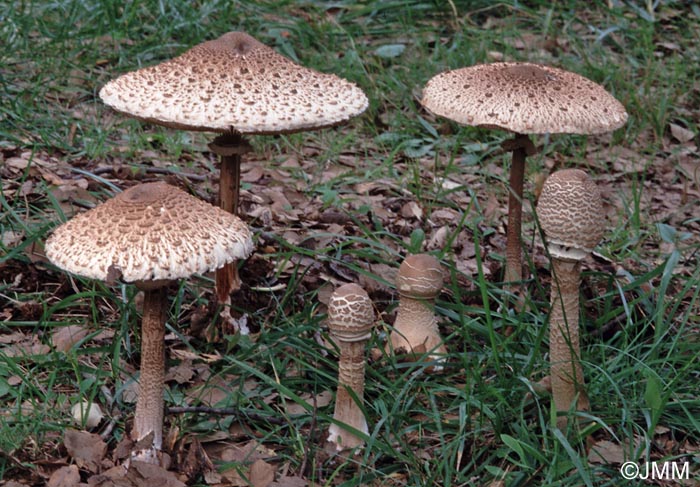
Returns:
(68, 476)
(65, 337)
(261, 474)
(85, 448)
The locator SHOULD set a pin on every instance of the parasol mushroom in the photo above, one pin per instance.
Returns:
(415, 331)
(570, 213)
(523, 98)
(350, 320)
(237, 86)
(151, 235)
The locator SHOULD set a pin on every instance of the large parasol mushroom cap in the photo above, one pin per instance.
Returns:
(150, 232)
(523, 98)
(570, 211)
(235, 83)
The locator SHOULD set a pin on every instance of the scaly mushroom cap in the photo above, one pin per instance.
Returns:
(151, 231)
(523, 98)
(420, 277)
(570, 211)
(235, 83)
(350, 313)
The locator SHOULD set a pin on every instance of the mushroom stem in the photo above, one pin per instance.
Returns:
(416, 328)
(149, 406)
(521, 146)
(566, 372)
(230, 147)
(350, 320)
(351, 377)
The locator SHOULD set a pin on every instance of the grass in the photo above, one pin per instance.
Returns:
(471, 425)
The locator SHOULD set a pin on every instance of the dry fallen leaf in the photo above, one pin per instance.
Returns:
(146, 475)
(87, 412)
(65, 477)
(606, 452)
(261, 474)
(85, 448)
(681, 134)
(65, 337)
(290, 482)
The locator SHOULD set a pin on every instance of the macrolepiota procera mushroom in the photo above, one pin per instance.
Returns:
(570, 213)
(350, 320)
(415, 330)
(151, 234)
(523, 98)
(237, 86)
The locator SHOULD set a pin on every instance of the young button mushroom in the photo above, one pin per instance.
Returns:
(350, 320)
(151, 235)
(525, 99)
(237, 86)
(415, 332)
(571, 215)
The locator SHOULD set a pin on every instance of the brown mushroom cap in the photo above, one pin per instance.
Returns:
(420, 277)
(235, 83)
(524, 98)
(151, 231)
(350, 313)
(570, 211)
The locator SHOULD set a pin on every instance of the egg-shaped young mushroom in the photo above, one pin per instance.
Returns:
(415, 331)
(151, 235)
(571, 215)
(523, 98)
(350, 321)
(237, 86)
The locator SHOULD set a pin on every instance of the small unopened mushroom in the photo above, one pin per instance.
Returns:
(350, 320)
(237, 86)
(571, 215)
(416, 332)
(151, 235)
(523, 98)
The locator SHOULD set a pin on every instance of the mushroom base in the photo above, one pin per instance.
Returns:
(416, 331)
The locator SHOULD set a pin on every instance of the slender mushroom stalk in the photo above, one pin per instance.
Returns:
(148, 417)
(237, 86)
(416, 332)
(151, 234)
(523, 98)
(570, 213)
(350, 320)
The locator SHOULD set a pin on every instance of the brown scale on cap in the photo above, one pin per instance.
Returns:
(235, 83)
(350, 321)
(571, 215)
(524, 98)
(151, 231)
(570, 211)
